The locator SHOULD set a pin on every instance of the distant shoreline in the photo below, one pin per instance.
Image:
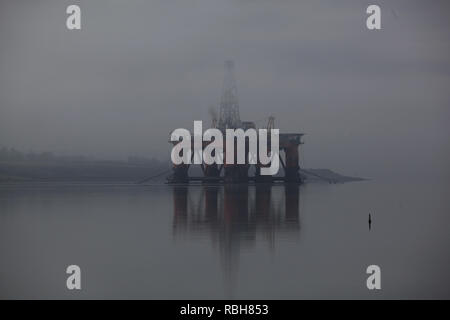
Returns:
(116, 171)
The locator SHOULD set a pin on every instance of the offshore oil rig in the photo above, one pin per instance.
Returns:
(229, 118)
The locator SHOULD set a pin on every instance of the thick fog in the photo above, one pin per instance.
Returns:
(372, 103)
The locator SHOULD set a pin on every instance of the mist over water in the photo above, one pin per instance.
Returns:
(372, 103)
(163, 241)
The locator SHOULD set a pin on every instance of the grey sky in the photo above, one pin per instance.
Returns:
(371, 103)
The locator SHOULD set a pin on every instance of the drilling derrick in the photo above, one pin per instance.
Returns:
(230, 119)
(229, 105)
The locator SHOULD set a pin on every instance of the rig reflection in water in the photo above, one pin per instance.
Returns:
(236, 216)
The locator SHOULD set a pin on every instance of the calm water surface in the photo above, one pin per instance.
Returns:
(256, 242)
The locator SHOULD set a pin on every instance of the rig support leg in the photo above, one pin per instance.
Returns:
(180, 174)
(292, 168)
